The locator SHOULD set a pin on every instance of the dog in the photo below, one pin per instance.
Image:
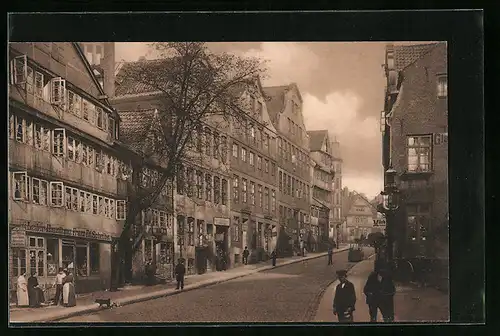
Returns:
(104, 302)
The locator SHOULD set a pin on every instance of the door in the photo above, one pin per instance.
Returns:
(201, 257)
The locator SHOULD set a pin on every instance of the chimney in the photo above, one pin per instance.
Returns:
(108, 66)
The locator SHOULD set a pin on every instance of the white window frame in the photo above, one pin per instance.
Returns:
(75, 194)
(88, 203)
(100, 205)
(30, 79)
(95, 206)
(81, 201)
(112, 210)
(35, 181)
(62, 191)
(55, 145)
(442, 87)
(20, 122)
(121, 203)
(106, 207)
(99, 115)
(24, 186)
(57, 91)
(71, 148)
(15, 71)
(38, 85)
(67, 196)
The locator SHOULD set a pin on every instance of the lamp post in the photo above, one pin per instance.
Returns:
(390, 205)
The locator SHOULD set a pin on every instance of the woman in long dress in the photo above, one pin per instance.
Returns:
(35, 293)
(22, 291)
(69, 297)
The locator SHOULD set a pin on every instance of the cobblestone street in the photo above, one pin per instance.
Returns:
(287, 294)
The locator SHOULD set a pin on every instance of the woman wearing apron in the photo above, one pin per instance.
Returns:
(22, 291)
(69, 297)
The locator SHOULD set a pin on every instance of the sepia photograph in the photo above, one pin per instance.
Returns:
(228, 182)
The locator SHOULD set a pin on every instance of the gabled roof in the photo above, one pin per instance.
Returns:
(316, 139)
(135, 127)
(405, 55)
(126, 85)
(275, 100)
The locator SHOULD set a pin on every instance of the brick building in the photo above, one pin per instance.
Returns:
(284, 104)
(67, 173)
(321, 155)
(415, 144)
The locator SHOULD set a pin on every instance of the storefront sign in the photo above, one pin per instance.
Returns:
(379, 222)
(18, 237)
(78, 233)
(221, 221)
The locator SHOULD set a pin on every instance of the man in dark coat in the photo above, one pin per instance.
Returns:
(372, 291)
(246, 253)
(345, 298)
(387, 291)
(273, 257)
(330, 255)
(180, 271)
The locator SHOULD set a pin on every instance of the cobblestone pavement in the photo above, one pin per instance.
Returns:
(287, 294)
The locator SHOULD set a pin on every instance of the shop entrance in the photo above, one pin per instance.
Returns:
(221, 248)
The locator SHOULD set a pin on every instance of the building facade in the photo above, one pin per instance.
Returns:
(415, 145)
(284, 104)
(336, 212)
(321, 155)
(67, 173)
(254, 171)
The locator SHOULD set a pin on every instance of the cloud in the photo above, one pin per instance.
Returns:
(370, 185)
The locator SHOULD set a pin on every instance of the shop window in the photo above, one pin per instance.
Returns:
(81, 260)
(18, 262)
(52, 256)
(21, 186)
(120, 210)
(68, 254)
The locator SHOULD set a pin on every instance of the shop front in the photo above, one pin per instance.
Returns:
(42, 249)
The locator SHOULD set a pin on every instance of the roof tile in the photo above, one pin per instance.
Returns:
(135, 126)
(405, 55)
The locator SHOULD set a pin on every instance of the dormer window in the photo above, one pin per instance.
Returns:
(442, 86)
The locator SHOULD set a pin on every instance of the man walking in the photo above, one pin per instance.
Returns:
(180, 271)
(245, 255)
(330, 255)
(372, 290)
(345, 298)
(387, 291)
(273, 257)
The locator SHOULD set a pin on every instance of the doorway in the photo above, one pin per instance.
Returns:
(222, 258)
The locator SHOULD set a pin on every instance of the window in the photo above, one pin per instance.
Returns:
(190, 182)
(244, 190)
(91, 113)
(39, 85)
(94, 258)
(74, 199)
(251, 159)
(259, 162)
(120, 210)
(199, 184)
(208, 187)
(216, 144)
(58, 140)
(223, 144)
(266, 198)
(266, 165)
(259, 196)
(95, 205)
(19, 70)
(216, 190)
(58, 91)
(419, 153)
(280, 179)
(85, 110)
(56, 194)
(99, 117)
(273, 201)
(106, 207)
(74, 103)
(111, 128)
(224, 191)
(21, 186)
(252, 134)
(252, 193)
(101, 205)
(20, 129)
(190, 231)
(442, 86)
(273, 169)
(243, 154)
(235, 189)
(208, 139)
(236, 229)
(235, 150)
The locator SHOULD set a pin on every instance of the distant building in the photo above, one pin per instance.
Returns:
(322, 181)
(359, 216)
(415, 143)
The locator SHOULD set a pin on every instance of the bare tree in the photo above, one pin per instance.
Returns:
(195, 87)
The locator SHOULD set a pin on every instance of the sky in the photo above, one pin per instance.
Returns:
(342, 86)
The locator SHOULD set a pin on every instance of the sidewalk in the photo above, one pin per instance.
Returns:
(411, 303)
(133, 294)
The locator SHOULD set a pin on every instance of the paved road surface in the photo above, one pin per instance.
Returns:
(286, 294)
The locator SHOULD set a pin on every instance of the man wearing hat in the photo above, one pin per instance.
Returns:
(345, 298)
